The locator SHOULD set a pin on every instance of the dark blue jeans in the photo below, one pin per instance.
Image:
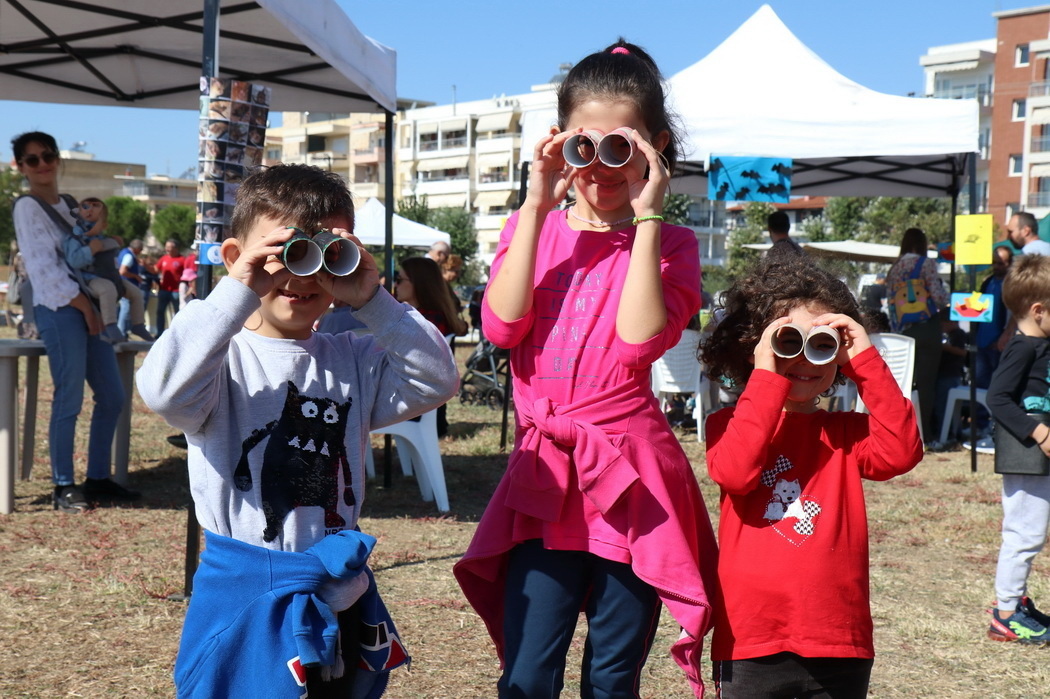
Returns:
(545, 592)
(165, 299)
(790, 676)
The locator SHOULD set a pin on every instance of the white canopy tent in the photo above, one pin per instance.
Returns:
(144, 53)
(370, 222)
(762, 92)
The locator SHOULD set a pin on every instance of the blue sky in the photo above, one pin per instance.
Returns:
(487, 48)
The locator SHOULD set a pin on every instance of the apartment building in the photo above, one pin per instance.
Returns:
(966, 71)
(1008, 75)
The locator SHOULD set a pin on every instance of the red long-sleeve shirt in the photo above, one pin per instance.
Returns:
(793, 532)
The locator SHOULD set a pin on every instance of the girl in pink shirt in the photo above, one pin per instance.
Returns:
(599, 510)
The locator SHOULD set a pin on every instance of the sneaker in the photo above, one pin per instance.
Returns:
(68, 498)
(142, 332)
(1028, 607)
(1019, 627)
(984, 446)
(108, 489)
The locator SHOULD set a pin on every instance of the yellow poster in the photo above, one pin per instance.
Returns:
(973, 239)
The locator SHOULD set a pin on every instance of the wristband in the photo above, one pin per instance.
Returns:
(639, 219)
(1043, 440)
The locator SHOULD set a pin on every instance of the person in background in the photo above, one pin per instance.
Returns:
(69, 325)
(1019, 399)
(169, 269)
(419, 284)
(779, 226)
(187, 286)
(991, 338)
(1023, 231)
(439, 252)
(952, 365)
(131, 271)
(917, 318)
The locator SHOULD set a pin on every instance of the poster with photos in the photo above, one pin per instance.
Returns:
(233, 118)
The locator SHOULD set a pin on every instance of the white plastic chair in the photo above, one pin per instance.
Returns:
(957, 398)
(419, 451)
(898, 351)
(678, 370)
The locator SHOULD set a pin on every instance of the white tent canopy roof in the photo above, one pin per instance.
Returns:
(370, 224)
(145, 53)
(853, 250)
(762, 92)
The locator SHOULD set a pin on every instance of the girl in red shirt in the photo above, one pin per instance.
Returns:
(793, 618)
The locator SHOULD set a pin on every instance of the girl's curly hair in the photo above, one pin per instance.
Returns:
(767, 292)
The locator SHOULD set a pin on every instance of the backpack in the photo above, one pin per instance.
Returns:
(911, 300)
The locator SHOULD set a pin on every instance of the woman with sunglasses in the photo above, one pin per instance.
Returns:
(69, 326)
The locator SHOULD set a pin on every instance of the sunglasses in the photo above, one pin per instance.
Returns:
(33, 160)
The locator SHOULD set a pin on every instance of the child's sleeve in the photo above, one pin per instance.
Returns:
(738, 438)
(680, 281)
(410, 361)
(499, 332)
(1006, 389)
(889, 442)
(78, 255)
(182, 379)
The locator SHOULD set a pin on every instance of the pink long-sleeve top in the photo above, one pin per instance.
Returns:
(595, 465)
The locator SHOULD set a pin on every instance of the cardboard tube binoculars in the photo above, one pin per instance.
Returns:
(614, 149)
(820, 345)
(304, 254)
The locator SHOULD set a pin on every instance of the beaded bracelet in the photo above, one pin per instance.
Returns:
(639, 219)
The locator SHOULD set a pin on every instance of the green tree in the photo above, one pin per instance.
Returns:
(459, 224)
(845, 216)
(676, 209)
(175, 222)
(740, 259)
(886, 218)
(127, 218)
(10, 188)
(415, 209)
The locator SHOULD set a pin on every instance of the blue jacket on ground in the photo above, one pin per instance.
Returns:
(255, 620)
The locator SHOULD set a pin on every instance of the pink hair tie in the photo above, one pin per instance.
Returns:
(620, 49)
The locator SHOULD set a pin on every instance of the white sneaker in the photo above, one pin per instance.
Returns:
(984, 446)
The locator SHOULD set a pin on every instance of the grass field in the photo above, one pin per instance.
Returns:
(84, 608)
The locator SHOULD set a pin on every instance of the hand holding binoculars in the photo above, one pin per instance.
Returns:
(306, 254)
(820, 345)
(614, 149)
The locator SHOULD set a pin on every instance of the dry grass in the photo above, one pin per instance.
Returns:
(84, 608)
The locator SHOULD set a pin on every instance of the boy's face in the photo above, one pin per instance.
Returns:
(290, 309)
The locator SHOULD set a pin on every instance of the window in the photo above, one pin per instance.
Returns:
(1020, 109)
(1016, 165)
(1021, 55)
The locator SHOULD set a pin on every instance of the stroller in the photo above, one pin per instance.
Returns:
(482, 381)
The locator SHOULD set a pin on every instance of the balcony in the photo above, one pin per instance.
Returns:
(370, 155)
(967, 92)
(1038, 200)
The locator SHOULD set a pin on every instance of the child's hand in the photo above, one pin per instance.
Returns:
(358, 288)
(854, 338)
(247, 261)
(647, 195)
(764, 358)
(549, 175)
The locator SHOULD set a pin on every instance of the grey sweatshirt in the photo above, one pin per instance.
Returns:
(277, 428)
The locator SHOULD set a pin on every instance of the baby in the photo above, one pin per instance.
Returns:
(89, 249)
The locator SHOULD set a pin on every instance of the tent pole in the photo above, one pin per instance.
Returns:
(971, 167)
(388, 265)
(209, 68)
